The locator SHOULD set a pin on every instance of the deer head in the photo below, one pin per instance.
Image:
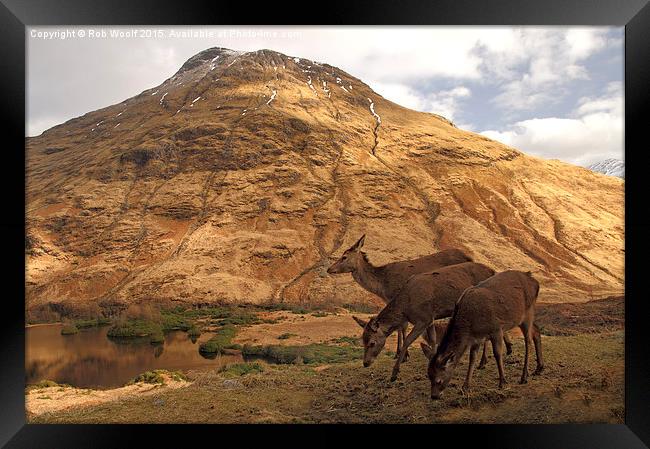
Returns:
(373, 339)
(350, 260)
(441, 368)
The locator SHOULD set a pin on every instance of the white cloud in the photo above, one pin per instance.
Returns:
(532, 65)
(398, 93)
(445, 102)
(594, 131)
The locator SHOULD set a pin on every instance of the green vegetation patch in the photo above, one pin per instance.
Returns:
(134, 327)
(156, 377)
(361, 307)
(194, 331)
(293, 308)
(313, 354)
(69, 329)
(353, 341)
(241, 369)
(220, 341)
(157, 337)
(286, 336)
(94, 322)
(172, 320)
(45, 384)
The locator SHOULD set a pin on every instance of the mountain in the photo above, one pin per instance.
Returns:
(611, 167)
(242, 176)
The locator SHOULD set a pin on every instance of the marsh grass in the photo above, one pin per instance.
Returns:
(45, 384)
(241, 369)
(312, 354)
(220, 341)
(69, 329)
(157, 377)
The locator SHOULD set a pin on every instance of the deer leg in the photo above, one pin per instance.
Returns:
(497, 349)
(473, 352)
(410, 338)
(404, 330)
(537, 339)
(483, 361)
(508, 343)
(526, 330)
(400, 339)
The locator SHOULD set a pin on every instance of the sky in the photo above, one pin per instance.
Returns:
(553, 92)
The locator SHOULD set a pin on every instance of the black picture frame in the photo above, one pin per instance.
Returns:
(15, 15)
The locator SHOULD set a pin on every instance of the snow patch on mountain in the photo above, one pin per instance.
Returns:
(610, 167)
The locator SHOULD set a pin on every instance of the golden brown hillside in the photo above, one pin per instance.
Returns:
(243, 175)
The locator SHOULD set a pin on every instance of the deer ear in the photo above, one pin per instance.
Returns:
(357, 246)
(428, 350)
(447, 359)
(360, 322)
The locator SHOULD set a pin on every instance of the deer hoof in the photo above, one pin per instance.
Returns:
(523, 381)
(502, 384)
(393, 377)
(538, 371)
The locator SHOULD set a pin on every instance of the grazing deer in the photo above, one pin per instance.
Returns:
(386, 281)
(424, 298)
(500, 303)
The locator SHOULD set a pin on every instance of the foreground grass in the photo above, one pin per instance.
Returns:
(582, 383)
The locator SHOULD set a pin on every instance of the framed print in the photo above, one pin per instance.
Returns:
(411, 214)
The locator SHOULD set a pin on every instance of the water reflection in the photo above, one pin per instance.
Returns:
(90, 359)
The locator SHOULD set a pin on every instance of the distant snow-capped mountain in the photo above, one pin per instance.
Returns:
(611, 167)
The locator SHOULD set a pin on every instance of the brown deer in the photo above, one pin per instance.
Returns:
(386, 280)
(424, 298)
(487, 310)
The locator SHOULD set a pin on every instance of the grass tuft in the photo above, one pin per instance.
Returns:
(69, 329)
(241, 369)
(220, 341)
(286, 336)
(157, 377)
(313, 354)
(134, 327)
(45, 384)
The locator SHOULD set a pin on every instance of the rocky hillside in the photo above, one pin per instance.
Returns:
(242, 176)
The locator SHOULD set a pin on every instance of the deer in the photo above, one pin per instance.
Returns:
(424, 298)
(386, 281)
(486, 310)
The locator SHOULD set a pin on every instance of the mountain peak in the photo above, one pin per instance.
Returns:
(239, 178)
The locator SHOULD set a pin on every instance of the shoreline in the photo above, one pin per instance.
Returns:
(27, 326)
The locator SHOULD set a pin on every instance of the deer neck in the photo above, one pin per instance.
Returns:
(457, 343)
(390, 318)
(370, 277)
